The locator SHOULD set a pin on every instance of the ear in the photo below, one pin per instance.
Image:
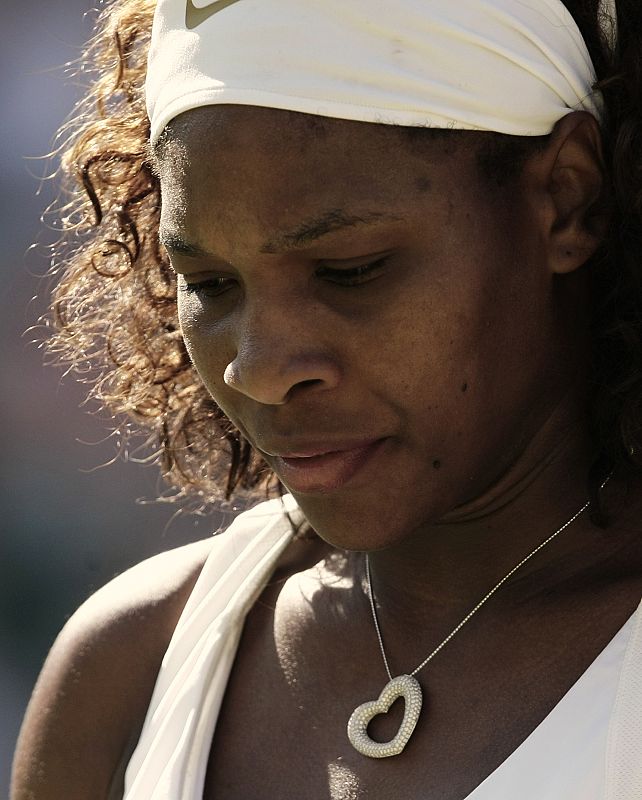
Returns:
(572, 178)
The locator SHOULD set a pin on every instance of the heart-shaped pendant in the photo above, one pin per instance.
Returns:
(402, 686)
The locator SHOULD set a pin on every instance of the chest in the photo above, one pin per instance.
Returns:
(282, 731)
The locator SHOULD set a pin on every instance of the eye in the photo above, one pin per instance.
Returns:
(212, 287)
(353, 276)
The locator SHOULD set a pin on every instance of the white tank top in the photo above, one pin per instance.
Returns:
(588, 748)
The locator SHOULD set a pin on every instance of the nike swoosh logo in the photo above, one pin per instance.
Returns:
(197, 16)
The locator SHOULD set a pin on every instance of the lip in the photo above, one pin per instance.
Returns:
(324, 468)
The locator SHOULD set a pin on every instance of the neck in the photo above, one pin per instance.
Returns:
(432, 579)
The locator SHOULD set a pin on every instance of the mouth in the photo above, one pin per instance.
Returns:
(316, 469)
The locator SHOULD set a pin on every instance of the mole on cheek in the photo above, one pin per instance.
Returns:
(451, 210)
(436, 464)
(464, 387)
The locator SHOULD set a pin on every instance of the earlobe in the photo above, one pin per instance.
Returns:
(579, 219)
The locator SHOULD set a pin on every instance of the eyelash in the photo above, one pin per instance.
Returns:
(355, 276)
(211, 288)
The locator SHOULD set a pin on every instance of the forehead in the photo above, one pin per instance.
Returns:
(233, 162)
(218, 134)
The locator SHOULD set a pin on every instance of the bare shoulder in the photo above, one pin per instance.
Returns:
(90, 700)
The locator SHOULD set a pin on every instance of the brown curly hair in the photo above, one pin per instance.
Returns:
(114, 306)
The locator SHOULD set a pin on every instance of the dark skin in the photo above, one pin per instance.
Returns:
(483, 289)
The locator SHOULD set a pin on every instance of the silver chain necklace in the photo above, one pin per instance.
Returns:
(407, 686)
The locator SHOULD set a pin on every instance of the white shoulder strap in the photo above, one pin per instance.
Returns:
(170, 760)
(624, 750)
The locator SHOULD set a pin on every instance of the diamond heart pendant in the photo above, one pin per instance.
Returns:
(402, 686)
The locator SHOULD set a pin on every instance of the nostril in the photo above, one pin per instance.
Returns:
(309, 382)
(302, 385)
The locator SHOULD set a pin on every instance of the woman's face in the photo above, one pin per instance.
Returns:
(343, 289)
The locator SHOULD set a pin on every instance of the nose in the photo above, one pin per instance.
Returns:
(279, 353)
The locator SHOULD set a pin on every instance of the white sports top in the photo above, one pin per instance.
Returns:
(588, 748)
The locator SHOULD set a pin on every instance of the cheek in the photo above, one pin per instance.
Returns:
(472, 358)
(188, 321)
(450, 326)
(206, 343)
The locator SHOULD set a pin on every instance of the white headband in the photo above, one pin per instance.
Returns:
(511, 66)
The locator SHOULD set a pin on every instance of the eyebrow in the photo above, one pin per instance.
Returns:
(176, 244)
(312, 229)
(307, 232)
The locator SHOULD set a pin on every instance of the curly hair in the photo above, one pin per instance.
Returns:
(114, 305)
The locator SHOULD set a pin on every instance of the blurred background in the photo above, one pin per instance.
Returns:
(68, 526)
